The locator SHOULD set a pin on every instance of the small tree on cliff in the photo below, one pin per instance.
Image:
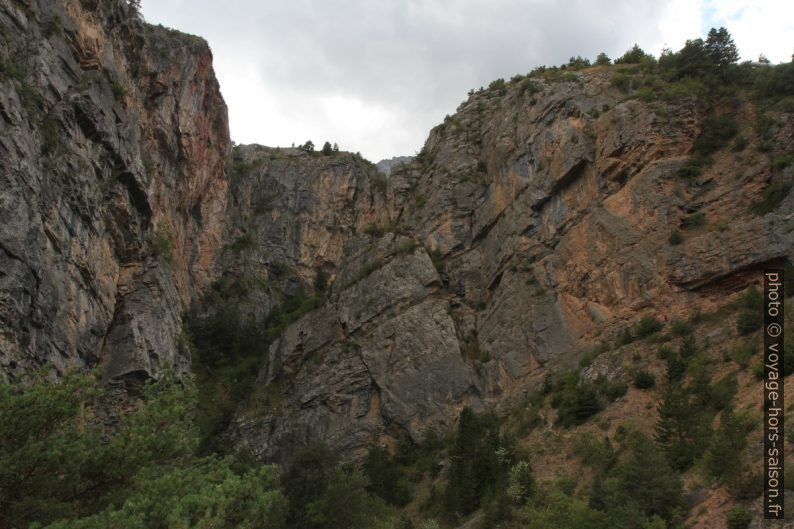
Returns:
(721, 48)
(327, 149)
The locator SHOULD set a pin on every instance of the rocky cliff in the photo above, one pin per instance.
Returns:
(113, 142)
(547, 215)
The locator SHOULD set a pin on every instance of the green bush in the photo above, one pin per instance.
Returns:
(739, 518)
(692, 167)
(621, 81)
(717, 132)
(681, 327)
(695, 220)
(641, 489)
(161, 243)
(625, 337)
(723, 458)
(386, 478)
(749, 321)
(379, 182)
(497, 84)
(603, 59)
(647, 326)
(599, 455)
(575, 402)
(675, 238)
(561, 511)
(643, 379)
(721, 394)
(578, 62)
(520, 482)
(635, 55)
(743, 354)
(59, 465)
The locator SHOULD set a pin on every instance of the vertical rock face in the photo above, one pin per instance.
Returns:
(113, 138)
(534, 224)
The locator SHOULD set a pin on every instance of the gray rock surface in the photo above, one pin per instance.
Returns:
(113, 136)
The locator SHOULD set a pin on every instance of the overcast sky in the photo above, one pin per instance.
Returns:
(376, 75)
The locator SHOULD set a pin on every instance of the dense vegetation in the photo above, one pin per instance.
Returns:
(69, 458)
(65, 464)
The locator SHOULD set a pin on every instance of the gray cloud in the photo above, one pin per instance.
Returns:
(377, 75)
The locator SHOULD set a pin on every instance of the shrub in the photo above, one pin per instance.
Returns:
(603, 59)
(739, 518)
(160, 242)
(647, 326)
(722, 392)
(588, 358)
(379, 182)
(625, 337)
(693, 221)
(57, 462)
(564, 512)
(743, 354)
(723, 458)
(611, 390)
(575, 402)
(639, 489)
(675, 238)
(578, 62)
(386, 478)
(635, 55)
(749, 321)
(497, 84)
(692, 167)
(621, 81)
(681, 327)
(598, 455)
(717, 132)
(520, 482)
(643, 379)
(327, 149)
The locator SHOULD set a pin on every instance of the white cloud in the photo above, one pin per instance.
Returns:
(376, 76)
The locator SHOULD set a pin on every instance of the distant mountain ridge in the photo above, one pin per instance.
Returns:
(385, 166)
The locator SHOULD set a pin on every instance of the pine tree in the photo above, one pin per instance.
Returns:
(721, 48)
(681, 429)
(723, 458)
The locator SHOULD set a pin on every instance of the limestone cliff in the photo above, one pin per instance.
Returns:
(113, 140)
(544, 217)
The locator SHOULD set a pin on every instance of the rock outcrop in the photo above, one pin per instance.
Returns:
(546, 215)
(113, 140)
(535, 224)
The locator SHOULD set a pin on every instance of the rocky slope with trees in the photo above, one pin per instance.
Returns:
(546, 318)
